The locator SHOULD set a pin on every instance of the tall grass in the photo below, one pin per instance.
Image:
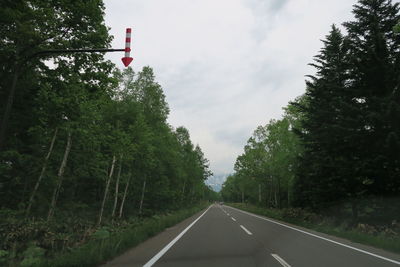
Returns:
(379, 241)
(99, 250)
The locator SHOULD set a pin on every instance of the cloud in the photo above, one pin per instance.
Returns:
(226, 66)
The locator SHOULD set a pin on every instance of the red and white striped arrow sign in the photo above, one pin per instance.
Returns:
(127, 59)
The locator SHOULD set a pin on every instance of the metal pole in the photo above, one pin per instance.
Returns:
(82, 50)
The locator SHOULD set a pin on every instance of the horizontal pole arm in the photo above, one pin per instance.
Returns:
(83, 50)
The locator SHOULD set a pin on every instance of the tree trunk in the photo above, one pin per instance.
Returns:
(121, 208)
(46, 160)
(274, 197)
(7, 110)
(106, 190)
(183, 191)
(259, 193)
(289, 187)
(354, 211)
(242, 196)
(266, 193)
(60, 177)
(191, 194)
(117, 187)
(142, 197)
(279, 193)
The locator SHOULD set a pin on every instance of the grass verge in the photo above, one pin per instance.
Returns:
(379, 241)
(109, 246)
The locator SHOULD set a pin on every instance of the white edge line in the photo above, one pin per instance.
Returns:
(170, 244)
(281, 261)
(320, 237)
(233, 219)
(247, 231)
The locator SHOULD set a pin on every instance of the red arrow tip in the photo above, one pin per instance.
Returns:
(127, 61)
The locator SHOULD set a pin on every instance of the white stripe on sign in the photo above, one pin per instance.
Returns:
(281, 261)
(244, 229)
(320, 237)
(170, 244)
(128, 42)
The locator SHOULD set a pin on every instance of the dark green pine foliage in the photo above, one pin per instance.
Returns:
(319, 179)
(374, 68)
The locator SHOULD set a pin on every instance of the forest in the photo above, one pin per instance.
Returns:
(86, 150)
(83, 144)
(336, 149)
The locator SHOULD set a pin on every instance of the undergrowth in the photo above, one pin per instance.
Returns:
(99, 245)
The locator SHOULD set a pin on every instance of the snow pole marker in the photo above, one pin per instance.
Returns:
(127, 59)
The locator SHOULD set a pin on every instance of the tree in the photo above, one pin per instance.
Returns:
(325, 114)
(374, 68)
(44, 98)
(29, 27)
(264, 173)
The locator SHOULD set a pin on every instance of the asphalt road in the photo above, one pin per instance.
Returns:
(224, 236)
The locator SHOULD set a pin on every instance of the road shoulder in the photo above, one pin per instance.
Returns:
(346, 242)
(143, 252)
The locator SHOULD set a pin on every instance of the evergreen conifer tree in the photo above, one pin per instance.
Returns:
(374, 68)
(319, 180)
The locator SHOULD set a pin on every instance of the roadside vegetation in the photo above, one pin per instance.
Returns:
(86, 152)
(109, 241)
(335, 154)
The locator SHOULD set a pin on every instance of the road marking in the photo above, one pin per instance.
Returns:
(320, 237)
(227, 214)
(244, 229)
(170, 244)
(233, 219)
(281, 261)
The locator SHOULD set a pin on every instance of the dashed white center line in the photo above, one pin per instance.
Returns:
(227, 214)
(244, 229)
(233, 219)
(280, 260)
(320, 237)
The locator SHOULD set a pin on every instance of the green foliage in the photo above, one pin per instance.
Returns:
(348, 135)
(4, 257)
(396, 28)
(32, 256)
(265, 172)
(94, 252)
(323, 129)
(336, 149)
(52, 197)
(102, 233)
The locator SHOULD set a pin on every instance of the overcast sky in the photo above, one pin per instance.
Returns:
(226, 66)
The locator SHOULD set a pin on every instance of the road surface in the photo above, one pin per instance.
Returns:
(225, 236)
